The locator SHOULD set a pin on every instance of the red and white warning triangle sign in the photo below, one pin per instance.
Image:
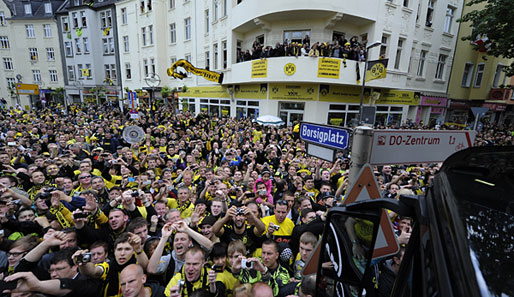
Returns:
(364, 188)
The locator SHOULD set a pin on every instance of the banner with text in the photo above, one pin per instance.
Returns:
(255, 91)
(352, 94)
(293, 92)
(260, 68)
(206, 92)
(329, 68)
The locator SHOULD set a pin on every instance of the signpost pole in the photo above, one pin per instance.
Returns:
(361, 148)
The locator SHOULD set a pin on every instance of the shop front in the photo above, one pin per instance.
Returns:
(432, 110)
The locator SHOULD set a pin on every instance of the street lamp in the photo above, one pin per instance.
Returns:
(372, 45)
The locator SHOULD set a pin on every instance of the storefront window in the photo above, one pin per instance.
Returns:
(247, 109)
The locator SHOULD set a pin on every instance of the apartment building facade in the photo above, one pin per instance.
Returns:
(29, 46)
(89, 50)
(418, 38)
(478, 80)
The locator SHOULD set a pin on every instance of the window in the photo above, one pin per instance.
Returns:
(30, 31)
(406, 3)
(28, 9)
(149, 5)
(142, 6)
(78, 49)
(126, 44)
(86, 45)
(111, 45)
(239, 51)
(215, 8)
(207, 60)
(53, 75)
(143, 35)
(399, 53)
(448, 19)
(172, 4)
(439, 72)
(88, 71)
(207, 25)
(8, 65)
(187, 23)
(47, 29)
(173, 60)
(224, 7)
(2, 18)
(124, 16)
(68, 49)
(215, 49)
(188, 57)
(76, 2)
(105, 44)
(224, 53)
(430, 13)
(50, 54)
(173, 33)
(83, 19)
(479, 75)
(4, 42)
(11, 82)
(48, 8)
(33, 56)
(421, 63)
(152, 65)
(106, 19)
(291, 36)
(36, 75)
(65, 24)
(128, 73)
(75, 19)
(71, 73)
(383, 47)
(497, 74)
(110, 71)
(150, 33)
(79, 67)
(145, 67)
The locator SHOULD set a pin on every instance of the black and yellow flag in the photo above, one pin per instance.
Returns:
(358, 72)
(376, 69)
(208, 75)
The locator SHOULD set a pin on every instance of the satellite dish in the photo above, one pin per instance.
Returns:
(133, 134)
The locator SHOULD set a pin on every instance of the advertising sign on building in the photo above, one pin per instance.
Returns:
(260, 68)
(329, 68)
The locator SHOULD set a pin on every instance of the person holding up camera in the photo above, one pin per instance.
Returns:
(240, 223)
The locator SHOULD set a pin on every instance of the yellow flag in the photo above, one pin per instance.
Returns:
(85, 72)
(376, 69)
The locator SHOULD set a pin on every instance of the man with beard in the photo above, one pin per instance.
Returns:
(117, 224)
(195, 277)
(248, 232)
(183, 239)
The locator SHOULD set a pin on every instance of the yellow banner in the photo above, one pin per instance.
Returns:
(255, 91)
(352, 94)
(206, 92)
(188, 67)
(27, 89)
(344, 94)
(260, 68)
(395, 97)
(85, 72)
(329, 68)
(376, 69)
(293, 92)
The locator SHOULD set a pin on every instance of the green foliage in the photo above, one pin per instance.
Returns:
(165, 91)
(496, 22)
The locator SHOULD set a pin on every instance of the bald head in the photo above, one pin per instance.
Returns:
(261, 289)
(132, 280)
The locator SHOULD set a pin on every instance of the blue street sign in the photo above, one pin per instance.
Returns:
(329, 136)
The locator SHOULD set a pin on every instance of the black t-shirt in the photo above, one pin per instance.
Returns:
(250, 240)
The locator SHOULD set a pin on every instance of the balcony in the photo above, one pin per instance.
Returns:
(251, 14)
(291, 69)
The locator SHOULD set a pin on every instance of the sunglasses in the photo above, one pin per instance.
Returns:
(85, 176)
(282, 202)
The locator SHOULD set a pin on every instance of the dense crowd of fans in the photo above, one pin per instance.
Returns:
(339, 48)
(202, 206)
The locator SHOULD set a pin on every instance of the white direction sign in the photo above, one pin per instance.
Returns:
(424, 146)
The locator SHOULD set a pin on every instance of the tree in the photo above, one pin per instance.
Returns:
(493, 25)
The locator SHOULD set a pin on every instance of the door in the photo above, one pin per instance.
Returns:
(290, 112)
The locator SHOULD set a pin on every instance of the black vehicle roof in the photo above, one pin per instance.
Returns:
(482, 182)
